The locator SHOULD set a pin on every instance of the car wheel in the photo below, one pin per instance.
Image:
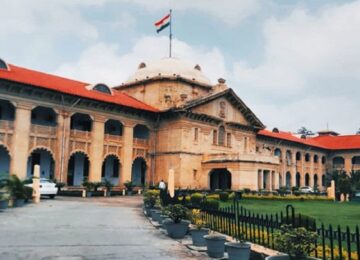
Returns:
(52, 196)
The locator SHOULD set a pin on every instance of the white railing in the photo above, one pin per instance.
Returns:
(218, 157)
(113, 138)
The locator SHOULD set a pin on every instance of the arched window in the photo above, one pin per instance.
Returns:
(215, 137)
(298, 156)
(3, 65)
(338, 161)
(288, 157)
(277, 152)
(307, 157)
(222, 135)
(323, 159)
(102, 88)
(316, 158)
(307, 179)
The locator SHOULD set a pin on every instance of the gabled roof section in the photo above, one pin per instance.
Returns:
(71, 87)
(231, 96)
(329, 142)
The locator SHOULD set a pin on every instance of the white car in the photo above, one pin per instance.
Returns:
(306, 189)
(47, 187)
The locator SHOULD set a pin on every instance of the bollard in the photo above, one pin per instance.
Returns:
(83, 193)
(123, 192)
(36, 184)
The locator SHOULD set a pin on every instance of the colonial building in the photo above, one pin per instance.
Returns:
(168, 115)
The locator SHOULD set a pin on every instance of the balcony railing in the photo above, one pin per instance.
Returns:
(79, 134)
(43, 130)
(235, 157)
(113, 138)
(141, 142)
(6, 125)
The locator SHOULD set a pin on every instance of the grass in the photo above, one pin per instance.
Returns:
(335, 213)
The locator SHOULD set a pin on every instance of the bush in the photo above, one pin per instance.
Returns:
(212, 204)
(213, 196)
(247, 191)
(232, 196)
(89, 186)
(176, 212)
(196, 199)
(151, 197)
(296, 242)
(129, 185)
(224, 196)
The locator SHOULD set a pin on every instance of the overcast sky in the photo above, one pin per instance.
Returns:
(294, 63)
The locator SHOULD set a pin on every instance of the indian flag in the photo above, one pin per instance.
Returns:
(163, 23)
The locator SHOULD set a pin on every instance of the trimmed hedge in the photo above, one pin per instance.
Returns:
(196, 199)
(224, 196)
(290, 197)
(212, 204)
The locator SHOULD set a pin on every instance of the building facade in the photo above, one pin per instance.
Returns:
(168, 115)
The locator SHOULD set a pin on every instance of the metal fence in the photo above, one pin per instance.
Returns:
(236, 221)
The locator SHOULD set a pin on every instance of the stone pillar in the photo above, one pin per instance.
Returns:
(97, 147)
(311, 182)
(260, 179)
(348, 164)
(127, 154)
(270, 180)
(293, 169)
(36, 184)
(62, 149)
(20, 144)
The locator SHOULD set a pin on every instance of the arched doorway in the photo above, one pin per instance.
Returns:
(111, 169)
(316, 184)
(78, 169)
(4, 161)
(307, 179)
(220, 179)
(288, 180)
(138, 171)
(46, 161)
(298, 179)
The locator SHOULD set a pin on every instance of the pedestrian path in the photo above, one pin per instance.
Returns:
(85, 228)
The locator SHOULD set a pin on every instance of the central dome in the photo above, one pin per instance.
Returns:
(169, 67)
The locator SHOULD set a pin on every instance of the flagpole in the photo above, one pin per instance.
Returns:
(170, 35)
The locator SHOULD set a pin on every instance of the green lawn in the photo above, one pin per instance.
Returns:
(326, 212)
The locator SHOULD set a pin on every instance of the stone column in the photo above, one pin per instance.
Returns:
(293, 169)
(20, 143)
(127, 154)
(260, 179)
(62, 149)
(97, 147)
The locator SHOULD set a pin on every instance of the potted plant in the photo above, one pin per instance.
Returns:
(4, 201)
(198, 230)
(238, 250)
(89, 187)
(108, 186)
(17, 190)
(59, 185)
(177, 226)
(215, 245)
(129, 185)
(297, 243)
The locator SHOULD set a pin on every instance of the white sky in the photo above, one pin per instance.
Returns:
(295, 63)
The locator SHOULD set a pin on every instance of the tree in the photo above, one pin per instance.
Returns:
(304, 131)
(358, 132)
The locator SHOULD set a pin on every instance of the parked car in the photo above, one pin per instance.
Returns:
(47, 187)
(306, 189)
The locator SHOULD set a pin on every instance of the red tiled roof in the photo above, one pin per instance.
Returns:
(68, 86)
(341, 142)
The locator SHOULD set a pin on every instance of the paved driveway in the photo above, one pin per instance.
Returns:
(76, 228)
